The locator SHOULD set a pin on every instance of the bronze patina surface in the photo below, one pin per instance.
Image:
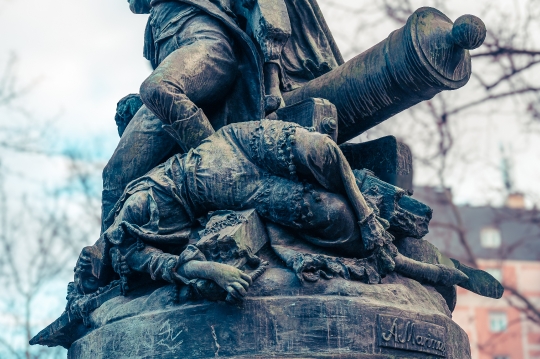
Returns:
(236, 224)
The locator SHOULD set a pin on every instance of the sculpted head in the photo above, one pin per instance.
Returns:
(90, 273)
(140, 6)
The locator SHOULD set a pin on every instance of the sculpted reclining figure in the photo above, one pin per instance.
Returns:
(207, 73)
(290, 175)
(257, 164)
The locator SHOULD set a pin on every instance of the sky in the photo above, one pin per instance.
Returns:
(84, 55)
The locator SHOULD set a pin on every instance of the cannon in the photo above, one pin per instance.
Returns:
(426, 56)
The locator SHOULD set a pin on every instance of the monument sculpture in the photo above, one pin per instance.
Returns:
(237, 223)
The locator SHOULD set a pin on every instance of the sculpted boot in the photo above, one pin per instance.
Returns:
(191, 131)
(480, 282)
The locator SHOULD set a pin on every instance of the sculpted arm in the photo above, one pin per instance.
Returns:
(119, 251)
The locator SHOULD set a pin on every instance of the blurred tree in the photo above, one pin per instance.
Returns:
(449, 134)
(42, 226)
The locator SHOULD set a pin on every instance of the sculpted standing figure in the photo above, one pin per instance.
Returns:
(207, 73)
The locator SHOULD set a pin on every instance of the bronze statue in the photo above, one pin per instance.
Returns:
(256, 164)
(209, 201)
(207, 73)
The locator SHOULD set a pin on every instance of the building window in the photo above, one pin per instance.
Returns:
(496, 273)
(497, 322)
(490, 237)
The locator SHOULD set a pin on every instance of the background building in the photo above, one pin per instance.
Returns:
(504, 241)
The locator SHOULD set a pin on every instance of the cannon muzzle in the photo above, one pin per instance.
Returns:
(426, 56)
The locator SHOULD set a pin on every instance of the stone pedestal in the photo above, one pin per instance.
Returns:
(328, 319)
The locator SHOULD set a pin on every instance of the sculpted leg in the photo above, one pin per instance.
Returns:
(317, 156)
(195, 76)
(127, 253)
(143, 145)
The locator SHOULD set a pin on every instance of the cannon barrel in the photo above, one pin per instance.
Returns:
(426, 56)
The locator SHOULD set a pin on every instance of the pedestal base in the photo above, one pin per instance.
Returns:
(393, 320)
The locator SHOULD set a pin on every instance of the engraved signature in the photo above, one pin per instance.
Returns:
(408, 336)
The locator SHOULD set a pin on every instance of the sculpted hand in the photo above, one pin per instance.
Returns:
(232, 279)
(374, 232)
(126, 109)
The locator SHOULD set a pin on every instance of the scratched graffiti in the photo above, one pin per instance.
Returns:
(160, 337)
(167, 336)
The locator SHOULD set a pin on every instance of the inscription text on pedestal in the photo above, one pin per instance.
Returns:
(407, 334)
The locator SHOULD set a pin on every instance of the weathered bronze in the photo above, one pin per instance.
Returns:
(227, 234)
(426, 56)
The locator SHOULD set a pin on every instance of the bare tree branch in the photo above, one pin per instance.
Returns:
(493, 97)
